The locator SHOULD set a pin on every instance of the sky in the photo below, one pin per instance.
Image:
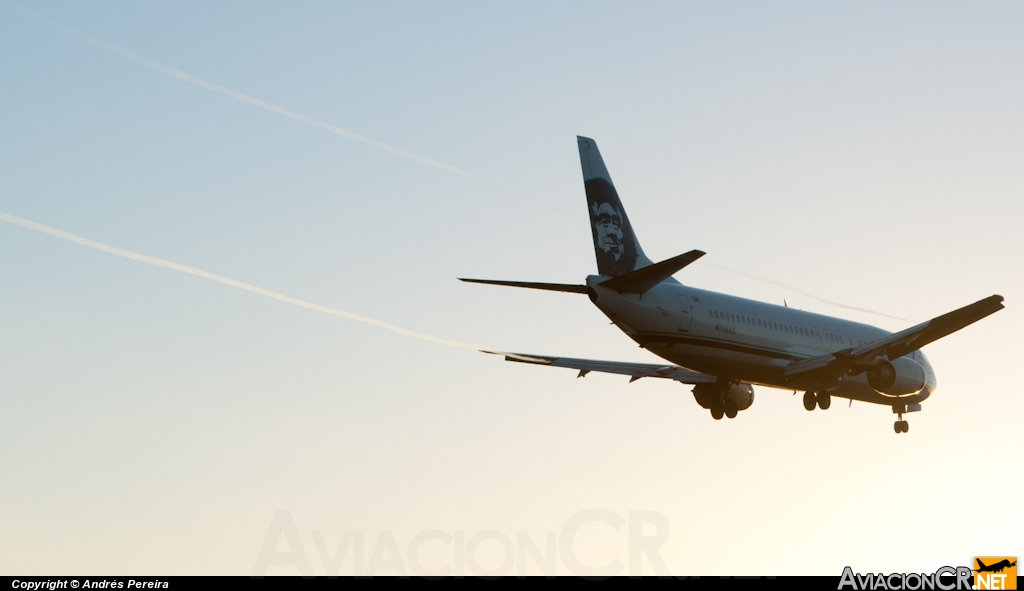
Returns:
(361, 156)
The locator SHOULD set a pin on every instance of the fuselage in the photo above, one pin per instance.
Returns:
(741, 339)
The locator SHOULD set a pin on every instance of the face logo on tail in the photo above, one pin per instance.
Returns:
(614, 243)
(608, 225)
(613, 237)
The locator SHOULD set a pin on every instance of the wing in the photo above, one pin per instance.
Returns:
(900, 343)
(634, 370)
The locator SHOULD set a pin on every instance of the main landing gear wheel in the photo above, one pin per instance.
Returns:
(824, 399)
(730, 408)
(717, 411)
(810, 401)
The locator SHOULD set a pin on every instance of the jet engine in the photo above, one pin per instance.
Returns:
(709, 395)
(900, 376)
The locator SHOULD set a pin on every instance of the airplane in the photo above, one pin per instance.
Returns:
(994, 568)
(722, 344)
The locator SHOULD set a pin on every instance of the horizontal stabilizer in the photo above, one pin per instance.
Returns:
(530, 285)
(644, 278)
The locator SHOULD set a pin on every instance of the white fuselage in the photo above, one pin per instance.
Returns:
(743, 340)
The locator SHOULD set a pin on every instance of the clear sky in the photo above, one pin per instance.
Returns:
(154, 422)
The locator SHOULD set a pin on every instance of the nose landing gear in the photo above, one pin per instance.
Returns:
(901, 426)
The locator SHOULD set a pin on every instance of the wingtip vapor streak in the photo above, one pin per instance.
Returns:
(722, 344)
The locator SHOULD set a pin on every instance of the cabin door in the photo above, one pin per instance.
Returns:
(686, 317)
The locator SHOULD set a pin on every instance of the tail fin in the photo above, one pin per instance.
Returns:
(617, 249)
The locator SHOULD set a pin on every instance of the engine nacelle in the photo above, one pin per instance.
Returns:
(707, 394)
(897, 377)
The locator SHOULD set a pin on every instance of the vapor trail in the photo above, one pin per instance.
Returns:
(233, 283)
(222, 90)
(804, 293)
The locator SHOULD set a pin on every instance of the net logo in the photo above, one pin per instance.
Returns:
(947, 578)
(995, 572)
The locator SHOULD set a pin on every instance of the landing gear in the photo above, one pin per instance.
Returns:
(901, 426)
(724, 398)
(821, 399)
(721, 409)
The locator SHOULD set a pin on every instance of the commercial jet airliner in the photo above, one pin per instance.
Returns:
(722, 344)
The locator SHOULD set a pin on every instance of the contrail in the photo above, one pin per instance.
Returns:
(804, 293)
(222, 90)
(233, 283)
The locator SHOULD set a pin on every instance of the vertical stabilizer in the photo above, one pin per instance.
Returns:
(617, 249)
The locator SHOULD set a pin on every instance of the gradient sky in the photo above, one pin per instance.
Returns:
(865, 152)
